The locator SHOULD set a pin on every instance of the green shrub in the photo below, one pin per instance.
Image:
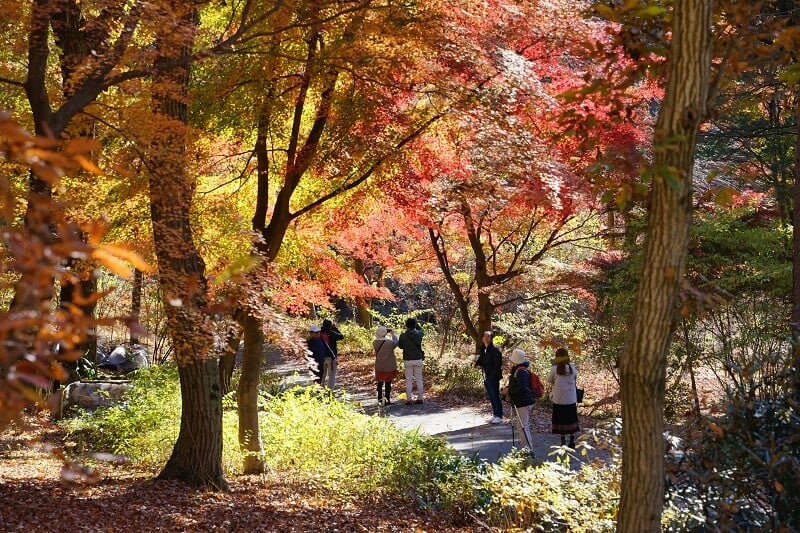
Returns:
(144, 427)
(318, 436)
(549, 496)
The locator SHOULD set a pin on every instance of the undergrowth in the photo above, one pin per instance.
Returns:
(313, 434)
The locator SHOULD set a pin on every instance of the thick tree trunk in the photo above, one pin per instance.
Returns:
(654, 315)
(795, 319)
(197, 456)
(247, 396)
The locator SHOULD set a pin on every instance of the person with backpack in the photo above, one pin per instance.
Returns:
(563, 378)
(410, 342)
(317, 350)
(385, 362)
(521, 393)
(331, 335)
(491, 362)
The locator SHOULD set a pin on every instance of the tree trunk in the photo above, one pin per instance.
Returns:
(795, 319)
(247, 396)
(197, 456)
(136, 304)
(227, 360)
(654, 314)
(300, 155)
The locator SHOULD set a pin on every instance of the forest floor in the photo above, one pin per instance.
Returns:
(40, 491)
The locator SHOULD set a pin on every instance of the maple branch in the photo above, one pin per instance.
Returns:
(539, 296)
(455, 288)
(15, 83)
(348, 185)
(38, 52)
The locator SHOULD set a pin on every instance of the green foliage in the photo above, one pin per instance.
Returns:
(318, 436)
(457, 377)
(549, 496)
(744, 470)
(357, 339)
(143, 428)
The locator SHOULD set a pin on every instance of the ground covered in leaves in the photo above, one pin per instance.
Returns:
(36, 496)
(39, 491)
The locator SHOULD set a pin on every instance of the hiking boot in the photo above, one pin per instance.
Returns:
(572, 442)
(418, 401)
(408, 402)
(387, 401)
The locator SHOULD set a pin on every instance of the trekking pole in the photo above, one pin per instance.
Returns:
(524, 429)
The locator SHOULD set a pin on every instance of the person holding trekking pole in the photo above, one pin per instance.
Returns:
(521, 393)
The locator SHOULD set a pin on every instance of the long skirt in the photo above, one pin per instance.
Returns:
(565, 419)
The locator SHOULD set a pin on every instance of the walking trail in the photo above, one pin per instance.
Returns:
(466, 428)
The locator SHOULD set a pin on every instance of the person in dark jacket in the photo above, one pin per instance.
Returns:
(318, 349)
(410, 342)
(525, 398)
(491, 362)
(331, 336)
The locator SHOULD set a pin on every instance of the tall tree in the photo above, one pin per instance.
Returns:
(653, 317)
(336, 100)
(197, 455)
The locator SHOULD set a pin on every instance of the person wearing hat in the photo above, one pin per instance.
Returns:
(525, 397)
(318, 350)
(330, 335)
(385, 362)
(563, 378)
(491, 362)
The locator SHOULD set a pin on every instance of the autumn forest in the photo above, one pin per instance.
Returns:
(203, 180)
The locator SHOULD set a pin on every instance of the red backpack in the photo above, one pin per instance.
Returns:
(536, 385)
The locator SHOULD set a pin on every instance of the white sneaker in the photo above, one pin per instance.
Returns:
(495, 420)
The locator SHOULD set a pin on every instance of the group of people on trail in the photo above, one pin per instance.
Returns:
(322, 343)
(524, 388)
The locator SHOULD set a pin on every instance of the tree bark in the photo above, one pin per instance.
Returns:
(197, 456)
(136, 304)
(653, 320)
(247, 396)
(795, 318)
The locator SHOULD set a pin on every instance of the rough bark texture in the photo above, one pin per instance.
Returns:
(654, 314)
(795, 319)
(247, 396)
(197, 456)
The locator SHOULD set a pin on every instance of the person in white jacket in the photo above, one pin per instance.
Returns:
(563, 378)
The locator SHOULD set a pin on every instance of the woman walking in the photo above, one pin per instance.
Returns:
(563, 378)
(385, 363)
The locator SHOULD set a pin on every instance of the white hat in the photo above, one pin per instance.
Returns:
(315, 329)
(380, 332)
(517, 356)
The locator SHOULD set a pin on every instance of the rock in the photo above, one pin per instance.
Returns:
(123, 359)
(89, 395)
